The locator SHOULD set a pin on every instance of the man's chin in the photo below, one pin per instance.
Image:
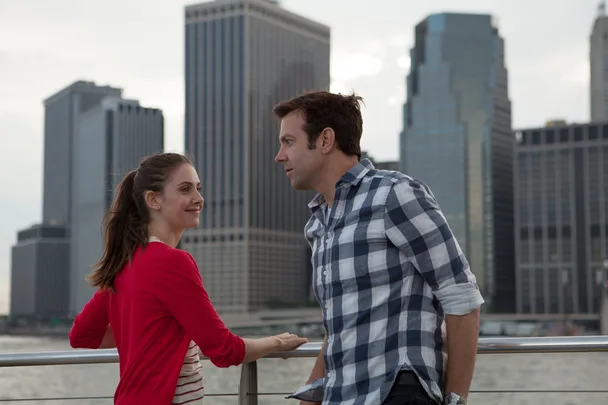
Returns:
(298, 186)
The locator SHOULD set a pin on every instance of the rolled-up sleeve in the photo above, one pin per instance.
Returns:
(417, 227)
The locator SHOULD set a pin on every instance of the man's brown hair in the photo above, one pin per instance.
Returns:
(322, 110)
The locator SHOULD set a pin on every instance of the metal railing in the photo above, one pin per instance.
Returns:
(248, 387)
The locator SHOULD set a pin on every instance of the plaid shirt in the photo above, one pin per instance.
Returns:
(386, 268)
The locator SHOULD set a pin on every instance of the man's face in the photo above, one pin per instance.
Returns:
(302, 165)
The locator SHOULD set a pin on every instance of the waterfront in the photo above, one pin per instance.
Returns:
(578, 371)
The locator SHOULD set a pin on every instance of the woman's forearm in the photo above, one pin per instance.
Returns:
(258, 348)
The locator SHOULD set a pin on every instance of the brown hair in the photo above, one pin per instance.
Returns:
(322, 110)
(126, 222)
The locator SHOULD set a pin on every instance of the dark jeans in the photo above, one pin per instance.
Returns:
(407, 390)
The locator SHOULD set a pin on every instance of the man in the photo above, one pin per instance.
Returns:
(386, 268)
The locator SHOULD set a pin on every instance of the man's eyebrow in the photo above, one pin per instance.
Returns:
(285, 136)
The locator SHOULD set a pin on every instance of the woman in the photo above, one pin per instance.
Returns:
(151, 294)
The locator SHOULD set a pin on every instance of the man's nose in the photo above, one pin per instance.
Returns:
(279, 157)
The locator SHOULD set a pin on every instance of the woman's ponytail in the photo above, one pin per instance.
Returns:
(125, 230)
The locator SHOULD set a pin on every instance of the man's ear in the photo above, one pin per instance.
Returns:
(327, 140)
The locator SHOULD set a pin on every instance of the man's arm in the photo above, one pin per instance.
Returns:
(462, 335)
(417, 227)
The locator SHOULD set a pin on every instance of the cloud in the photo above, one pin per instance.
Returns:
(21, 179)
(578, 74)
(404, 62)
(346, 67)
(547, 87)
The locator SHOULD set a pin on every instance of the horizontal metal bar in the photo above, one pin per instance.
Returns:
(561, 344)
(552, 344)
(67, 357)
(93, 398)
(266, 394)
(604, 391)
(573, 391)
(53, 399)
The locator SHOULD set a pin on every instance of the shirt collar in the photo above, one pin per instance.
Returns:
(351, 178)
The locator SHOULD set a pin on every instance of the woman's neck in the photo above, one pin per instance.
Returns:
(164, 234)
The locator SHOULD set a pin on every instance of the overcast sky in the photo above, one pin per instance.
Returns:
(138, 45)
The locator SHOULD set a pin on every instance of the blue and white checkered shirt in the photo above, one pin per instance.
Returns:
(386, 269)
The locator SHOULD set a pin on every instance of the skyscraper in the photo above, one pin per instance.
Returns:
(61, 113)
(242, 58)
(111, 139)
(457, 138)
(40, 273)
(40, 263)
(598, 64)
(561, 190)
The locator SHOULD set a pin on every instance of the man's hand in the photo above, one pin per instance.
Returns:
(318, 370)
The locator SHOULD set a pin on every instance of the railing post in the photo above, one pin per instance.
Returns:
(248, 387)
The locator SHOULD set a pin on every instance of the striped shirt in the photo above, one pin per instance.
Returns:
(386, 268)
(190, 388)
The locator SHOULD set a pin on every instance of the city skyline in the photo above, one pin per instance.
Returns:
(375, 67)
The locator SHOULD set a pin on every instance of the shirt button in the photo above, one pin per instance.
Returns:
(325, 272)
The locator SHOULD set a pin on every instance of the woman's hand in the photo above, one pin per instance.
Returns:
(262, 347)
(289, 341)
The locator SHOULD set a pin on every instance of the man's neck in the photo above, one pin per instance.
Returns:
(327, 187)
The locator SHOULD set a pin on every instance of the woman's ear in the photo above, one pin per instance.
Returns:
(152, 200)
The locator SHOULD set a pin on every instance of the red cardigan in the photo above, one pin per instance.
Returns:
(158, 306)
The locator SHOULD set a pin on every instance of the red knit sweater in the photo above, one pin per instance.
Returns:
(158, 306)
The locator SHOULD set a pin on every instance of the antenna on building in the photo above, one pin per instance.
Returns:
(601, 9)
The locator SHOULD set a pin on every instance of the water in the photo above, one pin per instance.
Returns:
(579, 371)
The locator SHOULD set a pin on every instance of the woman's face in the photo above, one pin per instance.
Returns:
(180, 202)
